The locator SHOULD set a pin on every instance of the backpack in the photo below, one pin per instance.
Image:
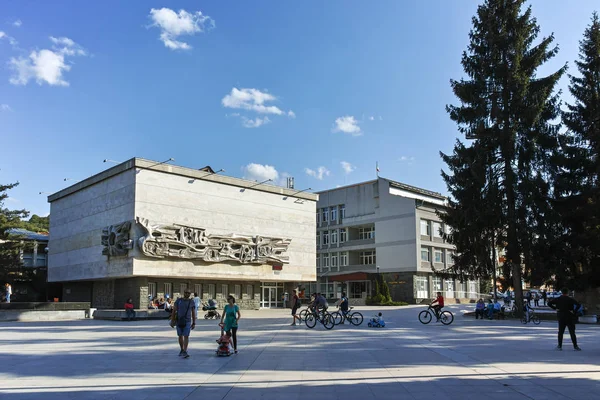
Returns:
(578, 311)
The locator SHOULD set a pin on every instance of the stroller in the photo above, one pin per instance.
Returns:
(211, 309)
(224, 348)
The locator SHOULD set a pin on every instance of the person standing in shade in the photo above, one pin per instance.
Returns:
(8, 292)
(231, 315)
(295, 306)
(129, 311)
(184, 318)
(545, 297)
(565, 306)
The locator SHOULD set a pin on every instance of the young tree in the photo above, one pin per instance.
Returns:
(577, 182)
(507, 108)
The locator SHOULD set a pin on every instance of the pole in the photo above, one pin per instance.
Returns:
(494, 263)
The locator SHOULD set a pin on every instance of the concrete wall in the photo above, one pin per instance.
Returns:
(76, 223)
(223, 209)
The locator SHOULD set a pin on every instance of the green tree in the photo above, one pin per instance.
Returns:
(385, 291)
(577, 188)
(508, 108)
(10, 262)
(36, 224)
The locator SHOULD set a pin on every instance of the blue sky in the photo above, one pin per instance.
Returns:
(316, 90)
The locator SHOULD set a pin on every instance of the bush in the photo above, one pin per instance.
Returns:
(379, 301)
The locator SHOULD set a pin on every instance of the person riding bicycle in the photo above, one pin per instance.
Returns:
(320, 304)
(437, 304)
(344, 303)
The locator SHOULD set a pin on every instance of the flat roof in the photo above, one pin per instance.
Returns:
(141, 163)
(395, 184)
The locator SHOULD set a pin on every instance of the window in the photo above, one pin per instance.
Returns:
(450, 259)
(318, 261)
(343, 235)
(342, 211)
(168, 287)
(334, 260)
(237, 291)
(367, 257)
(421, 287)
(325, 260)
(425, 228)
(250, 291)
(182, 288)
(343, 259)
(366, 233)
(318, 239)
(357, 289)
(439, 256)
(325, 238)
(436, 284)
(318, 217)
(324, 215)
(151, 289)
(425, 254)
(334, 236)
(447, 229)
(334, 214)
(211, 291)
(437, 229)
(198, 289)
(224, 290)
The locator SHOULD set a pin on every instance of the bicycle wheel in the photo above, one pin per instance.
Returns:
(425, 317)
(524, 320)
(337, 317)
(446, 317)
(535, 319)
(303, 314)
(311, 320)
(355, 318)
(328, 321)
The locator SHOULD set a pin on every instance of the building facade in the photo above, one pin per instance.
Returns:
(143, 229)
(387, 229)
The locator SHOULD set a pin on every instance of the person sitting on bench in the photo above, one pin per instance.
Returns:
(129, 311)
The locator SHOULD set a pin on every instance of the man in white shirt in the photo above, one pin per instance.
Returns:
(8, 292)
(196, 303)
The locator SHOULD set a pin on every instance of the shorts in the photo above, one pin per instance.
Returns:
(185, 331)
(294, 310)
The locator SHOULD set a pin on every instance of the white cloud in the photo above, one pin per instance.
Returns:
(406, 158)
(172, 25)
(255, 101)
(260, 172)
(320, 173)
(254, 123)
(347, 124)
(46, 66)
(10, 39)
(380, 118)
(12, 200)
(17, 23)
(348, 168)
(5, 107)
(371, 118)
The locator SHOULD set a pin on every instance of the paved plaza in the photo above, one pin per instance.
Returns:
(405, 360)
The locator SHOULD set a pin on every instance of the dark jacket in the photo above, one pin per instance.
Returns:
(565, 306)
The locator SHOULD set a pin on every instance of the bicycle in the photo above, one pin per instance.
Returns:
(532, 318)
(323, 317)
(303, 314)
(445, 317)
(354, 317)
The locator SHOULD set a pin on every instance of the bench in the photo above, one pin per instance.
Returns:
(121, 315)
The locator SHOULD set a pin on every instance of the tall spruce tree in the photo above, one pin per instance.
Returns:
(507, 109)
(10, 261)
(578, 181)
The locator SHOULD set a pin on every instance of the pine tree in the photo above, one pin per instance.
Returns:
(578, 180)
(507, 108)
(10, 261)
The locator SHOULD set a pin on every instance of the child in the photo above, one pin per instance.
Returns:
(377, 320)
(224, 344)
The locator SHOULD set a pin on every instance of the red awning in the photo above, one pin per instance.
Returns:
(356, 276)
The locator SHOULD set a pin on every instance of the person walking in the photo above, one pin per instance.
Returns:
(8, 288)
(196, 303)
(544, 297)
(231, 315)
(184, 317)
(296, 304)
(565, 306)
(536, 300)
(129, 311)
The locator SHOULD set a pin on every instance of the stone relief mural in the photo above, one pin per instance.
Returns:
(192, 243)
(115, 239)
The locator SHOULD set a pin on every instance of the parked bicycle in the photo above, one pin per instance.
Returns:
(323, 317)
(445, 317)
(354, 317)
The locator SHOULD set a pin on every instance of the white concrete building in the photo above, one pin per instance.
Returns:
(387, 228)
(144, 228)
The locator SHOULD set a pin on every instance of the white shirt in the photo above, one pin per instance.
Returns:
(9, 289)
(197, 302)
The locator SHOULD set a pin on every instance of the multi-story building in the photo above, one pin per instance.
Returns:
(387, 229)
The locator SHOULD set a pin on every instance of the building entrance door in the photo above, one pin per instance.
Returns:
(271, 295)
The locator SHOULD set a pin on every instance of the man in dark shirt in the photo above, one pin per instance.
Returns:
(565, 307)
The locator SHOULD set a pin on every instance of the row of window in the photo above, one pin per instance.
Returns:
(332, 260)
(428, 226)
(335, 236)
(439, 255)
(210, 290)
(327, 214)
